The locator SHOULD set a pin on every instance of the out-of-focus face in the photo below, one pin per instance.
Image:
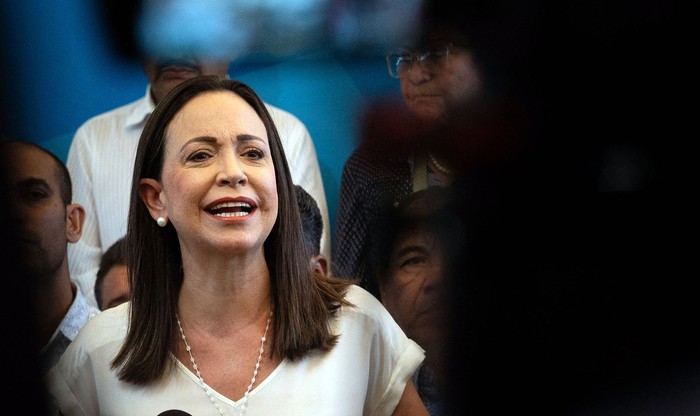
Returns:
(37, 210)
(430, 93)
(115, 287)
(166, 74)
(413, 291)
(218, 182)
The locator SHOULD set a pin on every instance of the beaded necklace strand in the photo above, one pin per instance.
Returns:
(244, 404)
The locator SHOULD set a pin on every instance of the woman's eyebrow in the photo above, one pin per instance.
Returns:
(241, 138)
(249, 138)
(199, 139)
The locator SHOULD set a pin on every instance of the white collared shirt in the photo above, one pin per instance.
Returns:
(78, 314)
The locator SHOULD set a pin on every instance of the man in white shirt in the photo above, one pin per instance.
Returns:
(101, 160)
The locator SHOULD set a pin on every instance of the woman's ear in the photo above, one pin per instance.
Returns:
(151, 191)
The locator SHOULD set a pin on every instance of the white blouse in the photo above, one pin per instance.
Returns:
(364, 374)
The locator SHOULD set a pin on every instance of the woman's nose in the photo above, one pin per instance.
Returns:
(232, 171)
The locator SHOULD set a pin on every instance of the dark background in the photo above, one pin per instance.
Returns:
(576, 293)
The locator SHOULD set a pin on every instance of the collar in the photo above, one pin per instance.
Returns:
(78, 314)
(141, 110)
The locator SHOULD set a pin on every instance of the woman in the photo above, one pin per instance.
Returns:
(226, 316)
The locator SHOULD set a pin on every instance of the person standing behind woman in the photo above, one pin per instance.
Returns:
(398, 155)
(112, 282)
(414, 250)
(226, 315)
(312, 224)
(36, 186)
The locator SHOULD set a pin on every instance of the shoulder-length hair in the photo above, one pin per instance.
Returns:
(303, 302)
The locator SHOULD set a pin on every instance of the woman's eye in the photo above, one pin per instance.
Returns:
(254, 154)
(199, 156)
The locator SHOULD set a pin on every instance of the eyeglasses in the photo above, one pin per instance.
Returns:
(400, 61)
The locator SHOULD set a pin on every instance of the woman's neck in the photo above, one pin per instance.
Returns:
(237, 286)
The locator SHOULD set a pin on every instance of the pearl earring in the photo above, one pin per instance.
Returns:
(162, 221)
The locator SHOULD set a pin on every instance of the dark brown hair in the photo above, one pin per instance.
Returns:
(303, 302)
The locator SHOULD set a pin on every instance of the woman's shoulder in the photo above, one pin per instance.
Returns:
(367, 319)
(363, 303)
(358, 295)
(105, 327)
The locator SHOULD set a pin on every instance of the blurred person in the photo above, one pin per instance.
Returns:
(101, 159)
(576, 299)
(412, 253)
(438, 76)
(312, 224)
(112, 282)
(221, 288)
(38, 190)
(399, 154)
(27, 375)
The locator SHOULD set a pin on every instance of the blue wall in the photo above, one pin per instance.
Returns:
(63, 71)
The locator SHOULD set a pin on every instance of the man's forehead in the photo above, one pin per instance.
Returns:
(29, 162)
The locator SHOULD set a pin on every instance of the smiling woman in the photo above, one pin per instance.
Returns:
(217, 162)
(224, 300)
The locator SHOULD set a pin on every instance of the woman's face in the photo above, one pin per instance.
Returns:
(218, 179)
(413, 289)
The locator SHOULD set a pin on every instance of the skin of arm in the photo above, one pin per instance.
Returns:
(410, 403)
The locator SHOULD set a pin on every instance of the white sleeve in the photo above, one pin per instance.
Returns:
(392, 356)
(303, 164)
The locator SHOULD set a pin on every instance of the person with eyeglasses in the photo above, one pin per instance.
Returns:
(437, 77)
(401, 152)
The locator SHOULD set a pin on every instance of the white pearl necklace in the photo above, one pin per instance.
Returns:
(244, 404)
(439, 166)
